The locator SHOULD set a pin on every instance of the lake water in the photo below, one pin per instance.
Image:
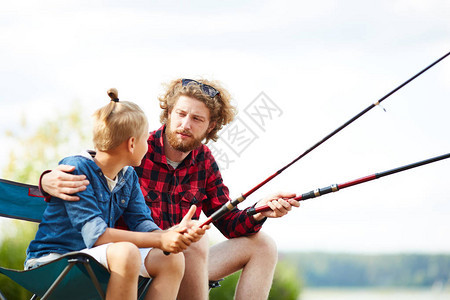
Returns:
(375, 294)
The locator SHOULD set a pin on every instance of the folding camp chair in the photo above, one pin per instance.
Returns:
(72, 276)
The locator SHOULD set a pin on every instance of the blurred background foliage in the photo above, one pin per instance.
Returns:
(36, 148)
(286, 285)
(401, 270)
(14, 243)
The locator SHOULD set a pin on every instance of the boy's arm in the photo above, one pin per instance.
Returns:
(85, 216)
(166, 240)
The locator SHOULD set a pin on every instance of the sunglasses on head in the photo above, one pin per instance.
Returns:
(207, 89)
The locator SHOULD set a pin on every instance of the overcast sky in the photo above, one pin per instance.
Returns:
(296, 70)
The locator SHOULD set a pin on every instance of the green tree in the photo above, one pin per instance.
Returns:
(226, 289)
(286, 285)
(35, 149)
(41, 147)
(12, 255)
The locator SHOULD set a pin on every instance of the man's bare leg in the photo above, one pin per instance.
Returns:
(257, 255)
(195, 281)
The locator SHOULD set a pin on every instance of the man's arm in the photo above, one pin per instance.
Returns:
(61, 184)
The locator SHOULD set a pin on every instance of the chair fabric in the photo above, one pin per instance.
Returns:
(25, 202)
(21, 201)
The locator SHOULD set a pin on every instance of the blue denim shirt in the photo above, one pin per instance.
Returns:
(71, 226)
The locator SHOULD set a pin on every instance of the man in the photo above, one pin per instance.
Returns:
(179, 171)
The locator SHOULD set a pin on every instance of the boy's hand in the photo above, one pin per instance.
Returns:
(192, 231)
(180, 237)
(174, 241)
(187, 219)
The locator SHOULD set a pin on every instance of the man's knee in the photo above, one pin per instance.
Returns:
(264, 243)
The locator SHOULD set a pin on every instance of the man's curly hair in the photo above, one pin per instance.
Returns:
(220, 109)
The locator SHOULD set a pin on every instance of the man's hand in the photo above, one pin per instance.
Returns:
(280, 204)
(59, 183)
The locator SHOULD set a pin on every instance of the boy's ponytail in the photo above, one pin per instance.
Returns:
(105, 112)
(116, 122)
(113, 94)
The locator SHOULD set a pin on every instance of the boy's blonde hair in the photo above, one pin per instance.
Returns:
(116, 122)
(220, 108)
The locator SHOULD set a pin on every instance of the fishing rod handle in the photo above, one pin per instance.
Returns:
(230, 205)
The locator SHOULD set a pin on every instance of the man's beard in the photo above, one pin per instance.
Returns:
(180, 145)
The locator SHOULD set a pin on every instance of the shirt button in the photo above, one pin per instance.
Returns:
(122, 201)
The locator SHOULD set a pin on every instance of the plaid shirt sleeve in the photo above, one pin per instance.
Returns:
(236, 222)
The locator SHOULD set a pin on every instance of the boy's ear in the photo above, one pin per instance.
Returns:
(131, 144)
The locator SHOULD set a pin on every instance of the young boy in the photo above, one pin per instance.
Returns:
(120, 138)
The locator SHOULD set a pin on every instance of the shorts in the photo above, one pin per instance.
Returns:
(99, 253)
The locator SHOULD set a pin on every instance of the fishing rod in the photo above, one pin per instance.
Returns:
(233, 203)
(337, 187)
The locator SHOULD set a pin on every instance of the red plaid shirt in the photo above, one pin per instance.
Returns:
(197, 180)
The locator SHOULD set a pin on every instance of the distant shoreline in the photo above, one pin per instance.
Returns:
(338, 270)
(374, 294)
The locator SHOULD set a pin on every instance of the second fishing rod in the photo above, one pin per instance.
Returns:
(337, 187)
